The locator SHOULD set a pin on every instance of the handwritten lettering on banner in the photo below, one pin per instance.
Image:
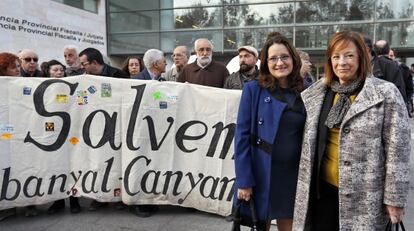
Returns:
(142, 142)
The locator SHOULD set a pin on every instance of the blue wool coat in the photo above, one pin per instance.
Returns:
(257, 124)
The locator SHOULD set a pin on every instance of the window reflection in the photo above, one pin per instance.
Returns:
(134, 21)
(254, 15)
(169, 40)
(133, 43)
(389, 9)
(334, 10)
(254, 37)
(188, 3)
(128, 5)
(397, 34)
(318, 36)
(193, 18)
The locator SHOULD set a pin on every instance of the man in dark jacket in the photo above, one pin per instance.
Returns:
(29, 64)
(155, 63)
(386, 69)
(248, 56)
(91, 61)
(408, 81)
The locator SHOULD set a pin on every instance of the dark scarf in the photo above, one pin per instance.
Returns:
(339, 110)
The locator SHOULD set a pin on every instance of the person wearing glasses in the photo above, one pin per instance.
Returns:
(268, 136)
(204, 71)
(29, 64)
(180, 57)
(133, 65)
(92, 62)
(354, 168)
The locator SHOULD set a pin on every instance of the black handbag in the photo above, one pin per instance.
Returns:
(250, 221)
(394, 227)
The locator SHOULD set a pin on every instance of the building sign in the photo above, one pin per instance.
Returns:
(47, 26)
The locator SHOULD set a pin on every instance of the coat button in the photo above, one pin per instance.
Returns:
(347, 163)
(346, 130)
(260, 121)
(258, 141)
(267, 99)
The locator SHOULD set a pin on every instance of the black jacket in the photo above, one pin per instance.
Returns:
(386, 69)
(113, 72)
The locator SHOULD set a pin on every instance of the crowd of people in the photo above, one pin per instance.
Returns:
(327, 154)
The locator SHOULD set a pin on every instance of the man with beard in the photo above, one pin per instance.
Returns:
(204, 70)
(248, 56)
(70, 52)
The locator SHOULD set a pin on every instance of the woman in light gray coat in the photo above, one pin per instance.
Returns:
(354, 166)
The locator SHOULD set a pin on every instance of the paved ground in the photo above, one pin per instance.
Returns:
(169, 218)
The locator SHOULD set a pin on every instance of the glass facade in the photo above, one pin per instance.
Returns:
(135, 26)
(89, 5)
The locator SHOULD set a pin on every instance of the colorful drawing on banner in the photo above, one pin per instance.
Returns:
(74, 140)
(106, 90)
(6, 136)
(27, 90)
(117, 192)
(92, 89)
(49, 126)
(6, 128)
(82, 97)
(157, 95)
(62, 98)
(163, 105)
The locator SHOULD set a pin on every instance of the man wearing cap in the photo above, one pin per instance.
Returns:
(248, 56)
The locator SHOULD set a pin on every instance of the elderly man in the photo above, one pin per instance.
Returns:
(91, 60)
(29, 64)
(70, 52)
(248, 57)
(204, 71)
(180, 57)
(155, 64)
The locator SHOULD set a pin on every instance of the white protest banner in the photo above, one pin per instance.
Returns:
(142, 142)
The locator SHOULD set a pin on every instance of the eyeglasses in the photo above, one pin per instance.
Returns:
(29, 59)
(84, 63)
(275, 59)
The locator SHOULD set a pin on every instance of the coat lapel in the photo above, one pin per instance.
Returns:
(367, 98)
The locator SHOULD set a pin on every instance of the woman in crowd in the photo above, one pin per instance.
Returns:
(54, 69)
(305, 70)
(133, 65)
(9, 64)
(355, 157)
(269, 131)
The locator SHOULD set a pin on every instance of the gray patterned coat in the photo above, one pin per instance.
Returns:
(374, 149)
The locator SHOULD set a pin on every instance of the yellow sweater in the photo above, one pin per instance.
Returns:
(330, 161)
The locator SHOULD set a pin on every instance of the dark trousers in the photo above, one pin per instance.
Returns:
(325, 210)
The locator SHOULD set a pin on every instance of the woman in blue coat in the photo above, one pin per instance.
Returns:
(269, 131)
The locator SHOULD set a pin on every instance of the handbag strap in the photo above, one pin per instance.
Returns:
(397, 226)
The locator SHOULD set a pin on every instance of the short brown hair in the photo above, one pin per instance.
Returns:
(340, 40)
(6, 60)
(266, 80)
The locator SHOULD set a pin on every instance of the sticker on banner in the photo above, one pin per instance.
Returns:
(62, 98)
(92, 89)
(157, 95)
(74, 140)
(163, 105)
(106, 90)
(6, 128)
(49, 126)
(27, 91)
(6, 136)
(82, 97)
